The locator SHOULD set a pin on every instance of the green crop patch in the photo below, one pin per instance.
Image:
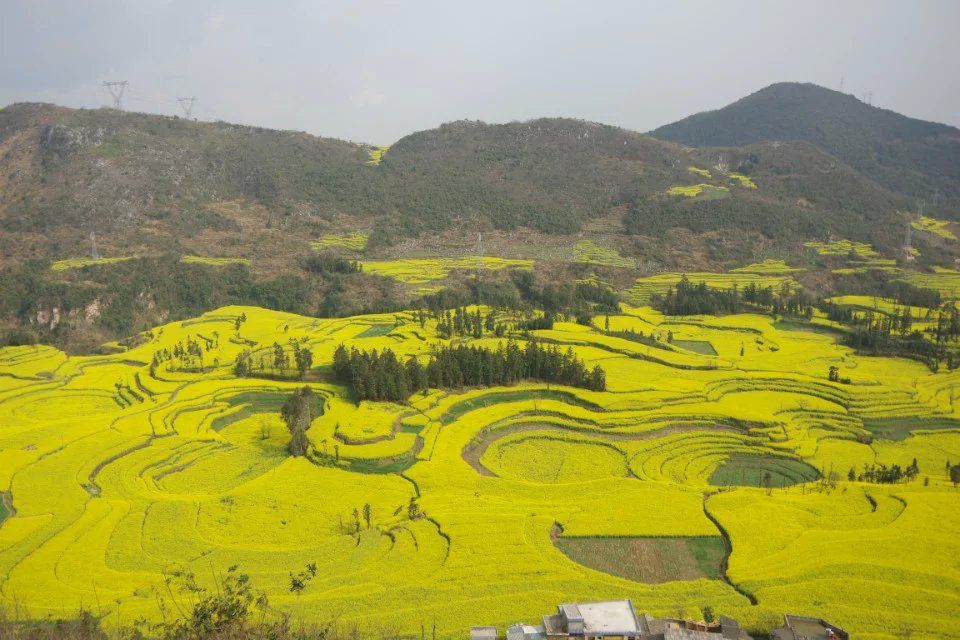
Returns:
(757, 470)
(376, 330)
(649, 560)
(698, 346)
(254, 402)
(900, 427)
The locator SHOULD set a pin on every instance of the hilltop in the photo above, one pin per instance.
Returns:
(906, 155)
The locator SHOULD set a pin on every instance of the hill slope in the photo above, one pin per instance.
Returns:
(147, 184)
(906, 155)
(160, 188)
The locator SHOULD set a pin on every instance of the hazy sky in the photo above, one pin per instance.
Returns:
(375, 71)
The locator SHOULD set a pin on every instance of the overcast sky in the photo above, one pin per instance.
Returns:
(375, 71)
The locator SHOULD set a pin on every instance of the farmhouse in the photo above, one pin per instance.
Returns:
(803, 628)
(615, 620)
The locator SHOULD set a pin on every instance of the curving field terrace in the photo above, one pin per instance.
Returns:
(114, 474)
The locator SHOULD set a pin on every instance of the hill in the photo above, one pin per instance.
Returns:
(235, 214)
(906, 155)
(149, 183)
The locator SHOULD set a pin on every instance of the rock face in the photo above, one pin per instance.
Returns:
(50, 318)
(58, 142)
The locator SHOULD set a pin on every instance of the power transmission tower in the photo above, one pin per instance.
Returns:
(187, 105)
(479, 251)
(841, 83)
(908, 243)
(93, 246)
(116, 90)
(868, 98)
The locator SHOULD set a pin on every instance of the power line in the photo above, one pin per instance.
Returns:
(187, 105)
(116, 89)
(479, 252)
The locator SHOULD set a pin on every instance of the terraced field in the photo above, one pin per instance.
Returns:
(351, 241)
(487, 505)
(425, 270)
(763, 275)
(214, 262)
(79, 263)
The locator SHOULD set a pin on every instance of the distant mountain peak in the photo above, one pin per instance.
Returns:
(904, 154)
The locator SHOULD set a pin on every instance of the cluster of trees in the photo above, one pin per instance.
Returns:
(186, 356)
(276, 361)
(297, 413)
(953, 471)
(899, 321)
(470, 366)
(380, 375)
(882, 474)
(892, 334)
(687, 298)
(327, 262)
(655, 339)
(569, 300)
(833, 375)
(463, 323)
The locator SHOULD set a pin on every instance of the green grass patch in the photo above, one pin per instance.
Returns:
(376, 330)
(649, 560)
(702, 347)
(900, 427)
(750, 469)
(4, 509)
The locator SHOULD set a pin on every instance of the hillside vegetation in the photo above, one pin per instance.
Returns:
(906, 155)
(242, 204)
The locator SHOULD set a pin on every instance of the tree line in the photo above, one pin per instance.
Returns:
(893, 334)
(687, 298)
(381, 376)
(882, 474)
(276, 360)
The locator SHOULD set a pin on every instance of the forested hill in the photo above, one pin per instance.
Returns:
(152, 184)
(192, 215)
(910, 156)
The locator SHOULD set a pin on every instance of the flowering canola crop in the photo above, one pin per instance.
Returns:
(119, 471)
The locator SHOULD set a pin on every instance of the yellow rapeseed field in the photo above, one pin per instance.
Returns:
(120, 472)
(423, 270)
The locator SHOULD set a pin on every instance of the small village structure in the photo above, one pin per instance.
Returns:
(803, 628)
(614, 620)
